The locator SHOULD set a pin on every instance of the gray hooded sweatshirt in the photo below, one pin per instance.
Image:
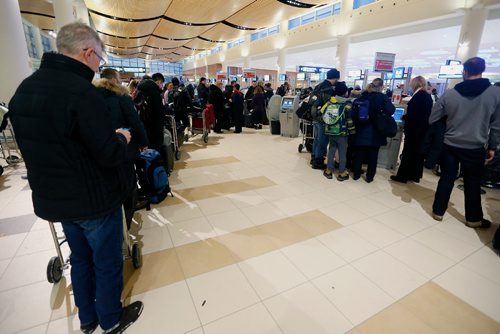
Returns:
(472, 109)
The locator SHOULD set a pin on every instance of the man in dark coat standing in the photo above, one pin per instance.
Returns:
(154, 118)
(203, 92)
(74, 156)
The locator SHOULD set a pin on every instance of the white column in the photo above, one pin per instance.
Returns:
(246, 62)
(14, 57)
(471, 32)
(281, 61)
(64, 12)
(82, 14)
(341, 55)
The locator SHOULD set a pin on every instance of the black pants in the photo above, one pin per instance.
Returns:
(472, 165)
(257, 117)
(218, 120)
(237, 119)
(362, 153)
(412, 161)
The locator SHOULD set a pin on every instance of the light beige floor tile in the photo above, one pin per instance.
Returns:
(40, 224)
(3, 266)
(458, 229)
(17, 303)
(167, 310)
(312, 258)
(27, 269)
(196, 331)
(285, 232)
(416, 211)
(203, 256)
(215, 205)
(445, 244)
(316, 222)
(246, 198)
(154, 239)
(263, 213)
(353, 294)
(191, 230)
(17, 209)
(252, 320)
(472, 288)
(42, 329)
(229, 221)
(376, 232)
(247, 243)
(401, 223)
(221, 292)
(368, 206)
(292, 206)
(343, 214)
(204, 162)
(305, 310)
(65, 325)
(158, 269)
(388, 199)
(419, 257)
(177, 213)
(317, 199)
(349, 245)
(271, 274)
(274, 193)
(150, 219)
(392, 276)
(484, 262)
(10, 244)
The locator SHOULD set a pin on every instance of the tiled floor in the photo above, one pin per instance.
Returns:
(256, 242)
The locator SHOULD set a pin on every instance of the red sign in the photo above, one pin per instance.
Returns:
(384, 62)
(221, 76)
(249, 73)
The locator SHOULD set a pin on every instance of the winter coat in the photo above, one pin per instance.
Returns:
(156, 119)
(473, 111)
(416, 119)
(72, 153)
(216, 98)
(366, 132)
(259, 103)
(202, 93)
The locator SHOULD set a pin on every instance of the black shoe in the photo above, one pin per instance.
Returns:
(343, 176)
(130, 314)
(90, 328)
(398, 179)
(355, 177)
(237, 131)
(496, 239)
(483, 223)
(260, 126)
(316, 165)
(369, 180)
(328, 174)
(416, 180)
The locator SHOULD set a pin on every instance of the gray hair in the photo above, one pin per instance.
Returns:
(74, 37)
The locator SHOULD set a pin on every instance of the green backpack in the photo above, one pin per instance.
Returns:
(333, 117)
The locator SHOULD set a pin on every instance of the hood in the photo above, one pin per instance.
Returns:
(472, 88)
(106, 84)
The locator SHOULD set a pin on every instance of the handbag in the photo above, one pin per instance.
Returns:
(386, 125)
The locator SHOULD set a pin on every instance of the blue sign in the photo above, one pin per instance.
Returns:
(314, 69)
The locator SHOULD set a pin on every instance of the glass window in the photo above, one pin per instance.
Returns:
(324, 12)
(361, 3)
(273, 30)
(336, 8)
(308, 18)
(254, 36)
(46, 44)
(293, 23)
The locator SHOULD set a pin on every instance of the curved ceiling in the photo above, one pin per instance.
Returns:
(173, 29)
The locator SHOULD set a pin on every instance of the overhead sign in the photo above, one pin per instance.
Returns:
(384, 62)
(313, 69)
(249, 73)
(221, 76)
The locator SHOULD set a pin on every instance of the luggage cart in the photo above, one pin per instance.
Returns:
(57, 264)
(307, 135)
(171, 122)
(201, 122)
(8, 145)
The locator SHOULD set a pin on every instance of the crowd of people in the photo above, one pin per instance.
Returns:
(79, 142)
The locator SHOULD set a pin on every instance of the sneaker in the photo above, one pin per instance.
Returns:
(90, 328)
(437, 217)
(328, 174)
(483, 223)
(343, 176)
(130, 314)
(398, 179)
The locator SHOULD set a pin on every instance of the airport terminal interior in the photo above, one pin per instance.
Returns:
(255, 241)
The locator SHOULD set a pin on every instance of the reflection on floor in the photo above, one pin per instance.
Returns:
(255, 241)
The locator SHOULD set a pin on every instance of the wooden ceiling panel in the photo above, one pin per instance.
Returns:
(222, 32)
(129, 8)
(263, 13)
(123, 42)
(183, 52)
(42, 22)
(123, 28)
(196, 11)
(316, 2)
(164, 43)
(150, 50)
(170, 29)
(40, 6)
(200, 44)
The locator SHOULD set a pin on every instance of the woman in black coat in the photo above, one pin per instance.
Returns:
(367, 140)
(216, 99)
(259, 107)
(416, 125)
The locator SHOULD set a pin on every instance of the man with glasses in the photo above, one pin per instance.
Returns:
(73, 156)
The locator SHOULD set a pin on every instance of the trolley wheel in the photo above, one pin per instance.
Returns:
(177, 155)
(205, 137)
(1, 170)
(300, 148)
(136, 256)
(12, 159)
(54, 270)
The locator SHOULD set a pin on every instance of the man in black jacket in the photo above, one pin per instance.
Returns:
(203, 92)
(149, 90)
(73, 157)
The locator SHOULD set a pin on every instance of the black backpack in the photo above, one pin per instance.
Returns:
(361, 110)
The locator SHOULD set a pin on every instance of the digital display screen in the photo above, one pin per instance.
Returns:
(266, 77)
(282, 77)
(389, 75)
(287, 103)
(354, 74)
(398, 114)
(399, 72)
(451, 72)
(301, 76)
(314, 76)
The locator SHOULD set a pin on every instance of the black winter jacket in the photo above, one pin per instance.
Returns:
(72, 153)
(156, 119)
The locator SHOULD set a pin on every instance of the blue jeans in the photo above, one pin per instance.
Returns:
(337, 143)
(320, 142)
(97, 267)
